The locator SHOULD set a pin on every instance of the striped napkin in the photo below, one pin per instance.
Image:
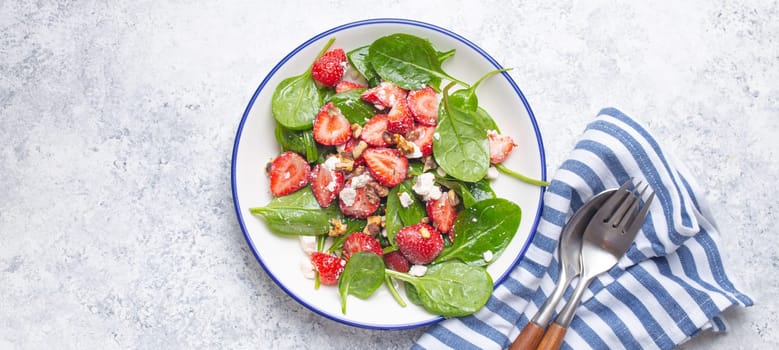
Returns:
(670, 285)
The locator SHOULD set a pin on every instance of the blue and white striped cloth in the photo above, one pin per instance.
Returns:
(670, 285)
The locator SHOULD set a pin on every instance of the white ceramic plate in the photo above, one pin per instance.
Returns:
(255, 146)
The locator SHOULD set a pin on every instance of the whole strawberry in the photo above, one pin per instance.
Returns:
(328, 69)
(328, 266)
(419, 243)
(360, 242)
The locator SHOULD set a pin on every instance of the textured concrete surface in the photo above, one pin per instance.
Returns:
(117, 121)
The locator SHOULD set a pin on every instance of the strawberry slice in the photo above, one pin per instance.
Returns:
(396, 261)
(345, 85)
(288, 173)
(358, 202)
(419, 243)
(328, 69)
(422, 136)
(399, 119)
(328, 266)
(325, 184)
(423, 104)
(373, 131)
(500, 146)
(442, 213)
(387, 165)
(360, 242)
(384, 95)
(331, 128)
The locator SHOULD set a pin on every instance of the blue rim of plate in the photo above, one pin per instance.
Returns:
(332, 31)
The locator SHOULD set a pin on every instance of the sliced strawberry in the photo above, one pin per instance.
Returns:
(288, 173)
(419, 243)
(384, 95)
(358, 202)
(328, 69)
(331, 128)
(422, 136)
(500, 146)
(360, 242)
(387, 165)
(345, 85)
(442, 213)
(328, 266)
(325, 184)
(373, 131)
(396, 261)
(423, 104)
(399, 119)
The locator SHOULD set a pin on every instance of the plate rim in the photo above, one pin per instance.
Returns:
(365, 22)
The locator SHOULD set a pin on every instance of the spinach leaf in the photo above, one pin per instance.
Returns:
(396, 216)
(469, 192)
(352, 106)
(301, 142)
(466, 99)
(443, 56)
(296, 214)
(450, 289)
(362, 275)
(526, 179)
(462, 149)
(408, 61)
(297, 99)
(484, 120)
(358, 58)
(488, 225)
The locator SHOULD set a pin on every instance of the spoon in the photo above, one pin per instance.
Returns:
(569, 249)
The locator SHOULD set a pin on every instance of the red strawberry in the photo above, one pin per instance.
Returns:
(328, 266)
(373, 131)
(387, 165)
(359, 202)
(385, 94)
(288, 173)
(442, 213)
(419, 243)
(326, 184)
(331, 128)
(361, 242)
(422, 136)
(345, 85)
(423, 104)
(500, 146)
(328, 69)
(396, 261)
(399, 119)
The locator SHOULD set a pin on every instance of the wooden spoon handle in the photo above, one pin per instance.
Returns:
(528, 338)
(553, 338)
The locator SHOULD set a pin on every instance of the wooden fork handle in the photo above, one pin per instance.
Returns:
(553, 338)
(528, 338)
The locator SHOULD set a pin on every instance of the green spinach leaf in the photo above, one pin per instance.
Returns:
(408, 61)
(362, 275)
(301, 142)
(358, 58)
(450, 289)
(397, 216)
(297, 214)
(462, 149)
(488, 225)
(352, 106)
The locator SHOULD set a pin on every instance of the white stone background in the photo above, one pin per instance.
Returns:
(117, 121)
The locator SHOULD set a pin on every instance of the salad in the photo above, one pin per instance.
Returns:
(384, 174)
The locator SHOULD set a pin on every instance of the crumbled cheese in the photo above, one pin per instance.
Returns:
(436, 136)
(361, 180)
(415, 153)
(332, 184)
(331, 162)
(307, 268)
(417, 270)
(348, 194)
(474, 220)
(425, 187)
(405, 199)
(440, 171)
(492, 132)
(487, 256)
(492, 173)
(307, 243)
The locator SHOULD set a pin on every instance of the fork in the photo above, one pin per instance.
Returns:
(606, 239)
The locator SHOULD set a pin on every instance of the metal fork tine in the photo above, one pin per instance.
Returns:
(632, 212)
(638, 221)
(624, 210)
(614, 201)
